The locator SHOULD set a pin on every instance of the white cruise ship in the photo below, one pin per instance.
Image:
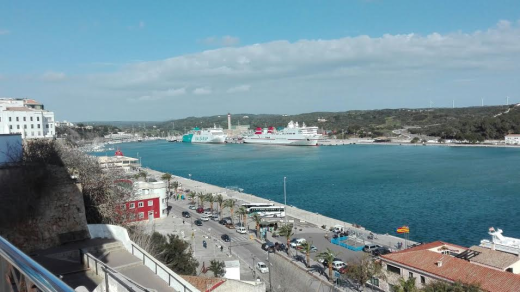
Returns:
(500, 242)
(293, 135)
(212, 135)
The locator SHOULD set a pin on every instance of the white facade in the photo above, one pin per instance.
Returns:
(513, 139)
(27, 117)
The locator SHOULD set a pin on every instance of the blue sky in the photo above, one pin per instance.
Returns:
(157, 60)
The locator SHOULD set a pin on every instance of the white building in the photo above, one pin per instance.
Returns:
(65, 123)
(27, 117)
(513, 139)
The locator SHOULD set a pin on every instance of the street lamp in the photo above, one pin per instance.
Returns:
(285, 197)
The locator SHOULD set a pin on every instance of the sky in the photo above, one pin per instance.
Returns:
(160, 60)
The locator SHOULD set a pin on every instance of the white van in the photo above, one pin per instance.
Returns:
(242, 230)
(204, 217)
(298, 242)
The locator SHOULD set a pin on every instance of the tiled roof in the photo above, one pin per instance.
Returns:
(455, 269)
(431, 245)
(494, 258)
(203, 283)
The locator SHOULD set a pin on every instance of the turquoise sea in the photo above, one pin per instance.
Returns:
(452, 194)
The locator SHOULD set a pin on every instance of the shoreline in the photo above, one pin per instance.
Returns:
(346, 142)
(303, 216)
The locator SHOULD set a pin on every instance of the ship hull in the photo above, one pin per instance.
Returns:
(281, 141)
(203, 139)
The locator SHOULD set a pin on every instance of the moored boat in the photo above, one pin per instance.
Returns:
(293, 135)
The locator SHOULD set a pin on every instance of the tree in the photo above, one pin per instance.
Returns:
(257, 220)
(242, 212)
(329, 256)
(220, 200)
(211, 199)
(231, 204)
(175, 186)
(143, 174)
(364, 270)
(415, 140)
(218, 268)
(406, 285)
(287, 232)
(175, 253)
(306, 248)
(202, 198)
(192, 196)
(167, 177)
(437, 286)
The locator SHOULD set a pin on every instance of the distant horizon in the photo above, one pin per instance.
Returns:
(326, 112)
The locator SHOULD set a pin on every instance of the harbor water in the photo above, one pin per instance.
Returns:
(452, 194)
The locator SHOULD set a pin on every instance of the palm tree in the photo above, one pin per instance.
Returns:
(202, 198)
(306, 248)
(242, 212)
(231, 204)
(257, 220)
(210, 198)
(167, 177)
(192, 196)
(175, 186)
(287, 232)
(329, 256)
(220, 200)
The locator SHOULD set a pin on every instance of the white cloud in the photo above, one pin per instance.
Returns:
(225, 41)
(201, 91)
(320, 75)
(53, 76)
(4, 31)
(240, 88)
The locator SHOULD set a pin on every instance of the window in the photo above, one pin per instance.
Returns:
(17, 119)
(510, 270)
(24, 119)
(10, 127)
(10, 120)
(18, 126)
(31, 119)
(32, 126)
(38, 119)
(47, 126)
(123, 207)
(141, 215)
(25, 126)
(141, 204)
(132, 205)
(393, 269)
(423, 280)
(38, 126)
(150, 203)
(410, 275)
(374, 281)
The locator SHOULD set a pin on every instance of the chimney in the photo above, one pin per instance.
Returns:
(229, 121)
(439, 263)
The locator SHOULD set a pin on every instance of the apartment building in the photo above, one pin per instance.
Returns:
(26, 117)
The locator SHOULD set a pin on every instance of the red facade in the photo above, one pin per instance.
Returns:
(140, 210)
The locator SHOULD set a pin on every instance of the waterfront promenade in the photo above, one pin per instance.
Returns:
(295, 215)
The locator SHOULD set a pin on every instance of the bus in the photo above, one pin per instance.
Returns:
(249, 205)
(267, 211)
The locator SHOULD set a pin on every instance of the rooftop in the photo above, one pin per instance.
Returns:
(454, 269)
(493, 258)
(203, 283)
(20, 109)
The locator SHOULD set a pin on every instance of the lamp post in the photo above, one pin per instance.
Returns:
(285, 197)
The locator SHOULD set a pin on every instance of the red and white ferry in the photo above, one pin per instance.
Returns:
(293, 135)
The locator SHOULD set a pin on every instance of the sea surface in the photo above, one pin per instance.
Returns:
(452, 194)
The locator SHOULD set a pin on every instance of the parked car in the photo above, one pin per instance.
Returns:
(370, 247)
(313, 248)
(198, 222)
(208, 212)
(186, 214)
(280, 246)
(298, 242)
(262, 267)
(337, 265)
(192, 207)
(225, 238)
(214, 216)
(200, 210)
(204, 217)
(326, 263)
(381, 251)
(268, 246)
(241, 230)
(222, 222)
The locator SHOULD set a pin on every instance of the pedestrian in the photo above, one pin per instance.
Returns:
(182, 221)
(221, 248)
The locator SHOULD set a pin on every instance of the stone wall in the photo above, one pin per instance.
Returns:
(57, 217)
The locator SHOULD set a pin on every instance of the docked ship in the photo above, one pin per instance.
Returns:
(293, 135)
(500, 242)
(212, 135)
